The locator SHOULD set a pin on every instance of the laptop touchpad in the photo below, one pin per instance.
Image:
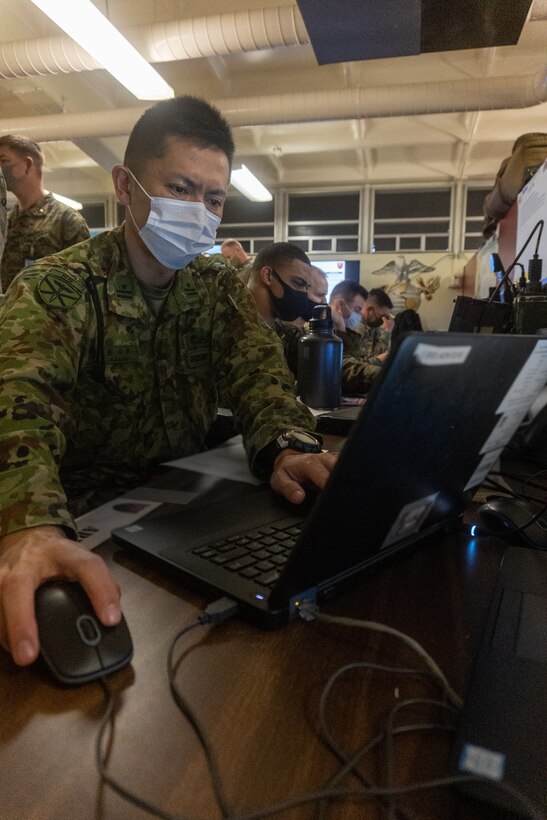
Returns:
(522, 625)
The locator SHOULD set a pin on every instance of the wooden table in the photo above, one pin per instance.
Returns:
(257, 693)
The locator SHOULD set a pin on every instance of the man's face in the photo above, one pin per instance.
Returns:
(287, 284)
(184, 172)
(236, 254)
(374, 313)
(319, 287)
(357, 306)
(295, 275)
(14, 167)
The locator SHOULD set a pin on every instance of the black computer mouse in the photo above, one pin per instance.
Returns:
(502, 516)
(76, 647)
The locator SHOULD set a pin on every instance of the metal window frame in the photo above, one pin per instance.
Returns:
(365, 223)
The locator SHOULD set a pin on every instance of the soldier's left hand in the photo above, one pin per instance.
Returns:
(292, 470)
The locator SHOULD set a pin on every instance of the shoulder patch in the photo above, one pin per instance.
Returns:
(57, 290)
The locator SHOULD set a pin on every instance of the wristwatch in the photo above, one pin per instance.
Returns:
(300, 441)
(289, 440)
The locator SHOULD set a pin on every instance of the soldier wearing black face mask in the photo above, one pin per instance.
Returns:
(279, 281)
(294, 304)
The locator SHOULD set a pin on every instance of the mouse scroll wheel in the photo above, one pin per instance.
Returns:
(88, 629)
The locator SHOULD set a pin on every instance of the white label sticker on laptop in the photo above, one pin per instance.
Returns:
(529, 382)
(482, 762)
(483, 468)
(434, 355)
(409, 520)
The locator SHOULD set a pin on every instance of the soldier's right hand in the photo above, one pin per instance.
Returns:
(30, 557)
(340, 312)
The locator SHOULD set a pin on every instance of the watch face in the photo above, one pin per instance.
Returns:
(302, 441)
(305, 438)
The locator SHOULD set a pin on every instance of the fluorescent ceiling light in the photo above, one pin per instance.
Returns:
(82, 21)
(246, 182)
(72, 203)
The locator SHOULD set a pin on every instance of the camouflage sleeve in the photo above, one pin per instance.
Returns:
(358, 371)
(74, 228)
(357, 375)
(383, 343)
(255, 380)
(38, 366)
(352, 342)
(3, 213)
(290, 336)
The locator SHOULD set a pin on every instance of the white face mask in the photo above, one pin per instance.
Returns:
(176, 231)
(354, 320)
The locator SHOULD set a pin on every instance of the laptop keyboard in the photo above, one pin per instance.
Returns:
(258, 554)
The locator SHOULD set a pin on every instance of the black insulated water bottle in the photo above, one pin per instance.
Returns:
(320, 362)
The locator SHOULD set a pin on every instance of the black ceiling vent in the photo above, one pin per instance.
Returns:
(346, 30)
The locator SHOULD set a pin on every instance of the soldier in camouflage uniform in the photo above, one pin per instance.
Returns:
(290, 333)
(280, 280)
(375, 340)
(319, 286)
(367, 345)
(3, 212)
(115, 355)
(39, 225)
(238, 258)
(348, 302)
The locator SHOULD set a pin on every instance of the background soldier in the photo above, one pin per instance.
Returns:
(39, 225)
(3, 213)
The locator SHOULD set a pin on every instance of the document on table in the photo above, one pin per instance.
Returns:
(229, 460)
(95, 526)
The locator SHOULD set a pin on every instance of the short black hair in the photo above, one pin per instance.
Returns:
(348, 289)
(381, 297)
(189, 118)
(277, 253)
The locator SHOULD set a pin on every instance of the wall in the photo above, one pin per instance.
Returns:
(435, 313)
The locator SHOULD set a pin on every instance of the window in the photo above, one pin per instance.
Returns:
(251, 223)
(417, 220)
(474, 218)
(94, 214)
(324, 223)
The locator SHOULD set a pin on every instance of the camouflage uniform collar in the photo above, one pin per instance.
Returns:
(124, 293)
(189, 291)
(38, 208)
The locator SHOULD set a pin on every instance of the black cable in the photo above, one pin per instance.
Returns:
(389, 731)
(323, 726)
(525, 481)
(529, 809)
(99, 365)
(350, 762)
(509, 270)
(215, 613)
(219, 611)
(324, 731)
(101, 761)
(199, 731)
(491, 484)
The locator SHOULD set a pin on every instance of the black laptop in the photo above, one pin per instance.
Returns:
(435, 422)
(502, 733)
(480, 316)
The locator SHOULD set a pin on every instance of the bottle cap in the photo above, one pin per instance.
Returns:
(321, 319)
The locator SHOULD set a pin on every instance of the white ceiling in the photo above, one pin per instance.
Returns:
(303, 152)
